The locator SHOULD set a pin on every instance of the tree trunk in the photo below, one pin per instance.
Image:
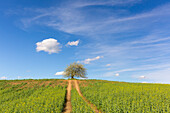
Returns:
(72, 77)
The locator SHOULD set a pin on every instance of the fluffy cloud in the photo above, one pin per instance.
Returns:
(117, 74)
(60, 73)
(87, 61)
(3, 78)
(73, 43)
(48, 45)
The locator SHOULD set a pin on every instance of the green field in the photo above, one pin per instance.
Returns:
(127, 97)
(78, 104)
(37, 96)
(49, 96)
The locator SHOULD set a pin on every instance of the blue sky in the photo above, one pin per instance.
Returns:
(120, 40)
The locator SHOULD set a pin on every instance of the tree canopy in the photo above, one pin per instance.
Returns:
(75, 70)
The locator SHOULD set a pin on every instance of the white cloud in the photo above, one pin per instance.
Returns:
(3, 78)
(151, 39)
(142, 77)
(73, 43)
(103, 2)
(144, 68)
(70, 18)
(108, 65)
(48, 45)
(60, 73)
(87, 61)
(117, 74)
(110, 74)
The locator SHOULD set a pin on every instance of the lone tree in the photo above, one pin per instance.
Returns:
(75, 70)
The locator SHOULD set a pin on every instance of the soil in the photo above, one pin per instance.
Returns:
(68, 108)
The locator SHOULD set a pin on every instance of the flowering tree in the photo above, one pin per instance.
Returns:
(75, 70)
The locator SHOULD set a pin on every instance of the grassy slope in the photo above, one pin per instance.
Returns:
(108, 96)
(32, 95)
(121, 97)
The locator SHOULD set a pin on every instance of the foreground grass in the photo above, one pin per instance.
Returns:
(32, 96)
(78, 104)
(115, 97)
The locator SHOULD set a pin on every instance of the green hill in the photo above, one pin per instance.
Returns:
(49, 96)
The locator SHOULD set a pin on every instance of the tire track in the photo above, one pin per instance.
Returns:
(88, 102)
(68, 107)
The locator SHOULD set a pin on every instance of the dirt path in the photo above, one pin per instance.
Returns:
(88, 102)
(67, 108)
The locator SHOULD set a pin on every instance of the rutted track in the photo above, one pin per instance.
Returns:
(88, 102)
(67, 108)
